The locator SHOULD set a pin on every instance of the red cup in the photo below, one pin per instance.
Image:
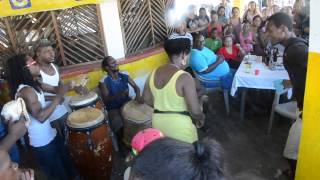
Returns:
(257, 72)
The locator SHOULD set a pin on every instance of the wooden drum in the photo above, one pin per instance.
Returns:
(136, 117)
(89, 100)
(89, 143)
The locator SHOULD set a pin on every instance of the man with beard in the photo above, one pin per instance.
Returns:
(295, 59)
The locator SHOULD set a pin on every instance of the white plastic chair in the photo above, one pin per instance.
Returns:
(285, 109)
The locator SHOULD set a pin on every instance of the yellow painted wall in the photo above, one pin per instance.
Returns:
(309, 152)
(136, 69)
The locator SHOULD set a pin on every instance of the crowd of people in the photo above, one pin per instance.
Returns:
(212, 46)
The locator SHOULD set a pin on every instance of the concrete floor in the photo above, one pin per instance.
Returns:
(250, 154)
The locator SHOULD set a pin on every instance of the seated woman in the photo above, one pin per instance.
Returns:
(172, 93)
(114, 89)
(211, 70)
(168, 158)
(233, 54)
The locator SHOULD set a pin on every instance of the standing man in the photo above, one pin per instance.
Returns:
(45, 56)
(295, 59)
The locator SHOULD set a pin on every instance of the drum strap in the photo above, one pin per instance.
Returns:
(185, 113)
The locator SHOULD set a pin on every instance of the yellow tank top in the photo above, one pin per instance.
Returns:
(172, 125)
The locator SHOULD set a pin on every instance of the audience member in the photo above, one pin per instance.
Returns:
(251, 12)
(180, 32)
(246, 37)
(214, 43)
(236, 22)
(233, 54)
(210, 69)
(223, 20)
(226, 6)
(214, 23)
(203, 21)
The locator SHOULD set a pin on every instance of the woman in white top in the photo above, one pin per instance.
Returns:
(23, 80)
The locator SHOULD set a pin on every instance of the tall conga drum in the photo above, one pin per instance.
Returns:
(136, 117)
(88, 100)
(89, 143)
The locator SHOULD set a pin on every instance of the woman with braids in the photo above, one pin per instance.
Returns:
(172, 93)
(23, 79)
(168, 159)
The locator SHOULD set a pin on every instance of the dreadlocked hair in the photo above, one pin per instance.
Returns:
(18, 73)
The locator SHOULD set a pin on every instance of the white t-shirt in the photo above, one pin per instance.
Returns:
(40, 134)
(60, 110)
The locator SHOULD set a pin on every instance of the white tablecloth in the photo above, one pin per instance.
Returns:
(264, 80)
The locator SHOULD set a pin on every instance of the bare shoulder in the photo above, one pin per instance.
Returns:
(27, 93)
(186, 78)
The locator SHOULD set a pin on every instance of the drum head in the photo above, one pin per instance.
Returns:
(139, 113)
(80, 100)
(85, 117)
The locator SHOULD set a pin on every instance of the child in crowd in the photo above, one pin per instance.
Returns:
(246, 37)
(214, 43)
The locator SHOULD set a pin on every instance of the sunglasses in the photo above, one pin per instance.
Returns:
(31, 63)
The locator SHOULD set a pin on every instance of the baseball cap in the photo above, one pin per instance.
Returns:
(143, 138)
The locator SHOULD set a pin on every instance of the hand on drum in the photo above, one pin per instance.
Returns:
(62, 89)
(81, 90)
(139, 99)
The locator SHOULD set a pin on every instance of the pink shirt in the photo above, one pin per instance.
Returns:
(246, 42)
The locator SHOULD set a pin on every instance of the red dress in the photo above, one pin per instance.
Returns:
(233, 59)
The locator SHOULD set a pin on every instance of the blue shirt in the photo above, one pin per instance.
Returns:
(14, 152)
(116, 86)
(200, 60)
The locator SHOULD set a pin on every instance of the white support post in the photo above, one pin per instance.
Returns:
(112, 28)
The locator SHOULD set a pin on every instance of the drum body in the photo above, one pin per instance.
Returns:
(136, 117)
(89, 100)
(89, 144)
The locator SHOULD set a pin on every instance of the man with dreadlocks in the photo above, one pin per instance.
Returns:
(23, 80)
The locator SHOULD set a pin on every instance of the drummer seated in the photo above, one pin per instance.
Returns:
(211, 70)
(114, 89)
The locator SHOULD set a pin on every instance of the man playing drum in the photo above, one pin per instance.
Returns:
(47, 147)
(115, 92)
(50, 80)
